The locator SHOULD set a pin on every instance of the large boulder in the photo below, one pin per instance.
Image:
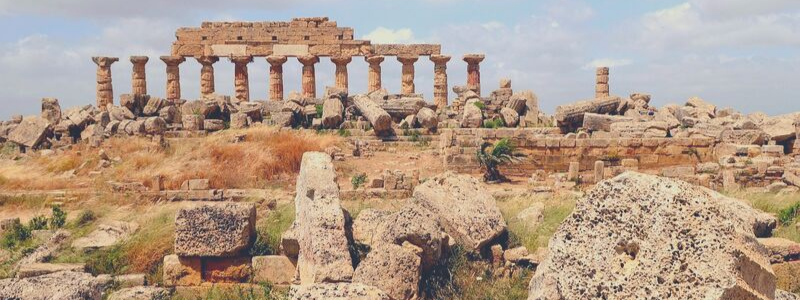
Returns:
(55, 286)
(31, 132)
(464, 207)
(645, 237)
(472, 116)
(706, 109)
(426, 118)
(779, 128)
(218, 230)
(418, 226)
(51, 110)
(570, 116)
(332, 113)
(510, 117)
(324, 255)
(393, 269)
(597, 122)
(336, 291)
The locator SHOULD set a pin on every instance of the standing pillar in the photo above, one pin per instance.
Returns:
(309, 76)
(408, 73)
(474, 71)
(341, 71)
(374, 79)
(241, 79)
(139, 78)
(276, 76)
(173, 76)
(601, 89)
(440, 80)
(207, 74)
(105, 91)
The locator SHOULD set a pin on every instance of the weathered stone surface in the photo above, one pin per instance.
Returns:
(336, 291)
(106, 235)
(780, 249)
(644, 237)
(38, 269)
(51, 110)
(47, 249)
(743, 137)
(332, 113)
(213, 125)
(153, 105)
(219, 230)
(226, 269)
(61, 286)
(320, 223)
(366, 224)
(381, 120)
(641, 129)
(426, 118)
(597, 122)
(571, 116)
(416, 225)
(155, 126)
(275, 269)
(784, 295)
(510, 117)
(472, 116)
(192, 122)
(393, 269)
(30, 132)
(182, 271)
(707, 109)
(788, 275)
(465, 209)
(142, 293)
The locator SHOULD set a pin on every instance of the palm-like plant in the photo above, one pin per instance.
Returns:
(492, 156)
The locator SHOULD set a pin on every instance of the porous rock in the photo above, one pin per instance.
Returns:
(219, 230)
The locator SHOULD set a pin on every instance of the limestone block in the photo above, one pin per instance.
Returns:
(30, 132)
(51, 110)
(393, 269)
(192, 122)
(61, 285)
(216, 230)
(226, 269)
(336, 291)
(39, 269)
(212, 125)
(275, 269)
(141, 293)
(182, 271)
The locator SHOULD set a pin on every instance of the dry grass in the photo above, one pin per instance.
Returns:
(556, 209)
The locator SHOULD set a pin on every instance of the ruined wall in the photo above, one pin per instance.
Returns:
(301, 36)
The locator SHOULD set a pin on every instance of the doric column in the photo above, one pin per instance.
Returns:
(601, 89)
(276, 76)
(139, 78)
(207, 74)
(374, 79)
(105, 92)
(440, 80)
(341, 70)
(309, 77)
(241, 79)
(408, 73)
(474, 71)
(173, 76)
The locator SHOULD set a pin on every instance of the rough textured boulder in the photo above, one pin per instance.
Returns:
(275, 269)
(51, 110)
(784, 295)
(393, 269)
(61, 286)
(366, 224)
(332, 113)
(320, 223)
(426, 118)
(30, 132)
(416, 225)
(106, 235)
(596, 122)
(472, 116)
(779, 128)
(570, 116)
(706, 109)
(155, 126)
(644, 237)
(641, 129)
(743, 137)
(510, 117)
(220, 230)
(381, 120)
(336, 291)
(38, 269)
(466, 210)
(142, 293)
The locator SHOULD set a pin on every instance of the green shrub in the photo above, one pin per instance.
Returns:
(112, 260)
(58, 219)
(38, 223)
(270, 229)
(319, 110)
(415, 136)
(15, 236)
(84, 218)
(358, 180)
(494, 123)
(479, 105)
(787, 215)
(343, 132)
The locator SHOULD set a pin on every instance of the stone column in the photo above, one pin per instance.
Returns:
(440, 80)
(374, 79)
(341, 71)
(408, 73)
(241, 79)
(105, 91)
(139, 78)
(276, 76)
(474, 71)
(309, 77)
(207, 74)
(173, 76)
(601, 89)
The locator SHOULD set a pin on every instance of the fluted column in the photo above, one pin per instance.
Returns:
(374, 79)
(173, 76)
(276, 76)
(602, 89)
(207, 74)
(440, 80)
(474, 71)
(241, 79)
(139, 78)
(105, 91)
(309, 76)
(408, 73)
(341, 71)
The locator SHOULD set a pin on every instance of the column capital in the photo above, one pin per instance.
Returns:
(173, 60)
(207, 60)
(440, 59)
(602, 70)
(407, 59)
(374, 59)
(104, 61)
(239, 60)
(139, 59)
(308, 60)
(474, 58)
(341, 60)
(277, 60)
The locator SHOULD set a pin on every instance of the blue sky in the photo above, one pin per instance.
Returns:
(735, 53)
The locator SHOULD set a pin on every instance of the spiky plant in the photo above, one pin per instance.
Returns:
(492, 156)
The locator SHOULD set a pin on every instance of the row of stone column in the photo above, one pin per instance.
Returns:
(242, 82)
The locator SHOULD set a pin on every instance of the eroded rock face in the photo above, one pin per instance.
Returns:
(393, 269)
(106, 235)
(141, 293)
(218, 230)
(61, 286)
(416, 225)
(320, 223)
(644, 237)
(336, 291)
(30, 132)
(465, 209)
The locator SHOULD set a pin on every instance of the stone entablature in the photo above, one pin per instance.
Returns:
(299, 37)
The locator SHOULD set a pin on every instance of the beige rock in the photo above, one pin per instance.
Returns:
(51, 110)
(570, 116)
(275, 269)
(226, 269)
(106, 235)
(182, 271)
(708, 109)
(393, 269)
(366, 224)
(597, 122)
(142, 293)
(62, 286)
(780, 249)
(427, 118)
(379, 118)
(510, 117)
(30, 132)
(415, 225)
(472, 116)
(784, 295)
(213, 125)
(39, 269)
(641, 129)
(332, 113)
(218, 230)
(788, 275)
(532, 216)
(336, 291)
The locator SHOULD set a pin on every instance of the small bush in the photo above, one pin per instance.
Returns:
(15, 236)
(58, 219)
(112, 260)
(415, 136)
(270, 229)
(84, 218)
(358, 180)
(319, 110)
(479, 105)
(787, 215)
(343, 132)
(494, 123)
(38, 223)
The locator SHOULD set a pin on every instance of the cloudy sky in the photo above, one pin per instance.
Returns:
(738, 53)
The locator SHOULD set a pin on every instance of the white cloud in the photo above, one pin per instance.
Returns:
(607, 62)
(101, 9)
(383, 35)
